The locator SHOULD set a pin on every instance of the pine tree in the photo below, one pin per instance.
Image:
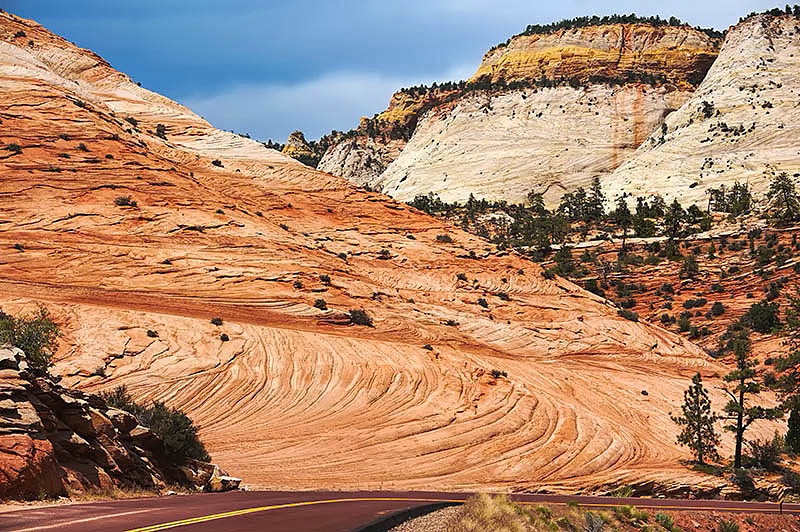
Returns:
(596, 201)
(624, 219)
(744, 378)
(697, 422)
(674, 221)
(793, 432)
(782, 198)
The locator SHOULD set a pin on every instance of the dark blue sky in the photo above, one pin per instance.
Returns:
(267, 68)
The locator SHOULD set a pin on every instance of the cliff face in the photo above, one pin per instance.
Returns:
(680, 55)
(549, 140)
(740, 125)
(614, 84)
(135, 236)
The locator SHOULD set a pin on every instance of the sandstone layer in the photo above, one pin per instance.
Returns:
(507, 140)
(740, 125)
(549, 140)
(678, 54)
(136, 235)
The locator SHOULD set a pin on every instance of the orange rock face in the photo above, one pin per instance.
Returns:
(135, 242)
(28, 467)
(678, 54)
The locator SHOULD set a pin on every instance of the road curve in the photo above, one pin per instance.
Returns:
(296, 511)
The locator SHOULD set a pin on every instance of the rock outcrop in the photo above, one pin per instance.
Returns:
(55, 441)
(740, 125)
(548, 140)
(544, 113)
(136, 241)
(679, 55)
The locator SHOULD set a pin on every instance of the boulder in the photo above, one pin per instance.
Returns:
(123, 421)
(220, 481)
(28, 468)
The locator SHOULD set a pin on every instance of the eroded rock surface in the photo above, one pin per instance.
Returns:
(286, 394)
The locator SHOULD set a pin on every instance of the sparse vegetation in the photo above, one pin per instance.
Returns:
(124, 201)
(35, 333)
(360, 317)
(216, 321)
(171, 425)
(320, 304)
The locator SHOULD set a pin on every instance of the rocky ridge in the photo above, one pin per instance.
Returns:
(55, 441)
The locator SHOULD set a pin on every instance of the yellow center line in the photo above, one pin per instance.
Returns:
(609, 504)
(235, 513)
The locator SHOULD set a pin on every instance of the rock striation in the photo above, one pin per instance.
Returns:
(740, 124)
(199, 268)
(55, 441)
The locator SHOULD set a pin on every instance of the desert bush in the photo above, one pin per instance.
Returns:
(14, 148)
(360, 317)
(124, 201)
(628, 314)
(216, 321)
(36, 334)
(482, 302)
(728, 526)
(444, 238)
(717, 309)
(684, 324)
(630, 514)
(484, 512)
(151, 333)
(496, 373)
(765, 454)
(665, 521)
(171, 425)
(695, 303)
(217, 162)
(321, 304)
(224, 337)
(325, 278)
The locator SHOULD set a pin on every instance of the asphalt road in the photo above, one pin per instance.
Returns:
(294, 511)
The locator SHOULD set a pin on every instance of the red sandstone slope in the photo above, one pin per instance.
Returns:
(298, 397)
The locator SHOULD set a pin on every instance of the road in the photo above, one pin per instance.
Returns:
(294, 511)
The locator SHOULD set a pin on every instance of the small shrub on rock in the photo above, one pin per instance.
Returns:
(360, 317)
(36, 334)
(321, 304)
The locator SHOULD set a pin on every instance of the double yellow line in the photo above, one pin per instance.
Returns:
(235, 513)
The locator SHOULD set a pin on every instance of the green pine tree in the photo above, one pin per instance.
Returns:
(697, 422)
(793, 433)
(745, 385)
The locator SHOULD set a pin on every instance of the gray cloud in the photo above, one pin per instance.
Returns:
(334, 101)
